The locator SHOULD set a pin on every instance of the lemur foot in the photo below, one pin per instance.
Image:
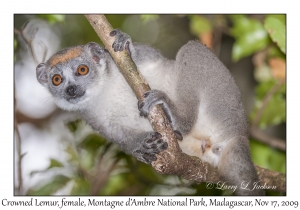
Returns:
(153, 144)
(121, 42)
(151, 98)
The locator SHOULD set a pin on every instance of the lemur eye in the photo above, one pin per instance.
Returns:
(82, 70)
(56, 79)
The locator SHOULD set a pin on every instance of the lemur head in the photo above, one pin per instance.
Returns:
(73, 75)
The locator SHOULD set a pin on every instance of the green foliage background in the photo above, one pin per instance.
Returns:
(94, 158)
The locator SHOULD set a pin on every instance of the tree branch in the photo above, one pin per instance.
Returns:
(19, 150)
(172, 160)
(272, 178)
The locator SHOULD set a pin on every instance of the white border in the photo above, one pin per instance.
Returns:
(55, 6)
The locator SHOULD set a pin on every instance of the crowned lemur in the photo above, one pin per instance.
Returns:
(196, 91)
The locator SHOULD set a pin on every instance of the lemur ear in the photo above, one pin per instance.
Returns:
(41, 73)
(95, 50)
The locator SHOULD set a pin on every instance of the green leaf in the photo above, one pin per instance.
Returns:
(53, 164)
(51, 187)
(81, 187)
(275, 52)
(259, 153)
(117, 183)
(87, 160)
(276, 30)
(263, 88)
(92, 142)
(267, 157)
(275, 110)
(277, 160)
(73, 157)
(53, 18)
(73, 125)
(250, 36)
(199, 24)
(281, 18)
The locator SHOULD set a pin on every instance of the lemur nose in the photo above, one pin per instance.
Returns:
(71, 90)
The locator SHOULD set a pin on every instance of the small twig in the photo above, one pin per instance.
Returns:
(264, 138)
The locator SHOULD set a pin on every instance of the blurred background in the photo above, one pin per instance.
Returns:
(58, 154)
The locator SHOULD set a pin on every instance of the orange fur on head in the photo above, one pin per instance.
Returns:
(65, 55)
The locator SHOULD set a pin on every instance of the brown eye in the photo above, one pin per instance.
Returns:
(82, 70)
(56, 79)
